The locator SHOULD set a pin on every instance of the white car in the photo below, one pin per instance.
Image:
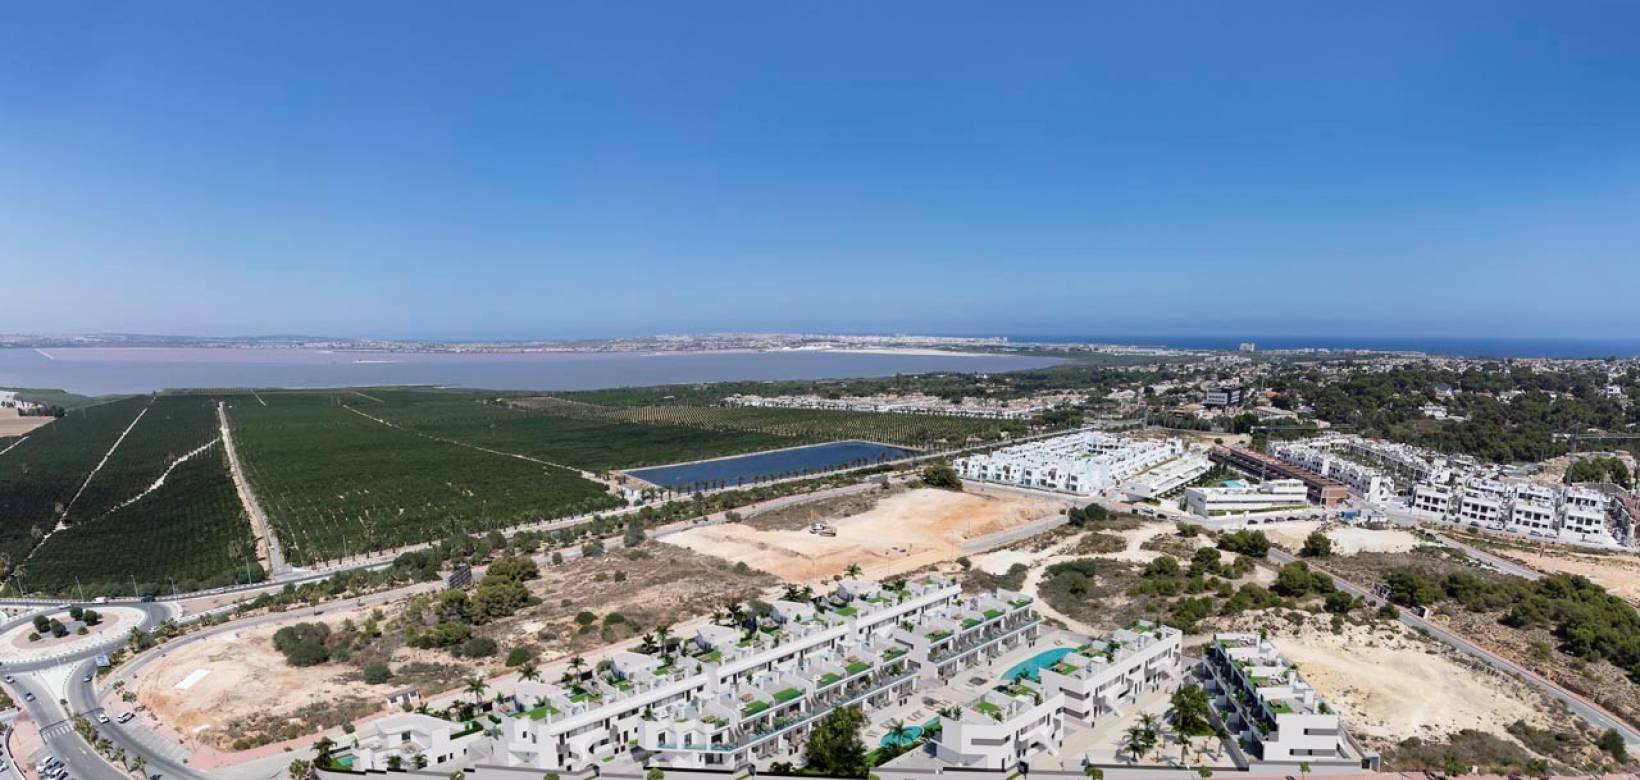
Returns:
(127, 716)
(102, 717)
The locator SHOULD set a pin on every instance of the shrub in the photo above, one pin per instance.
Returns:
(376, 674)
(1250, 543)
(1316, 545)
(303, 644)
(478, 647)
(942, 476)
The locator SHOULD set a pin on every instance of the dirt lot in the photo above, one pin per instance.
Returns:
(199, 690)
(667, 585)
(13, 424)
(1390, 685)
(1618, 573)
(901, 533)
(664, 584)
(1346, 540)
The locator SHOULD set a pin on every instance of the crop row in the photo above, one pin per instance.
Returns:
(591, 439)
(334, 483)
(191, 529)
(171, 427)
(39, 477)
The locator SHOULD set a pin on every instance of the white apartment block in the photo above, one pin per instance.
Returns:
(1025, 716)
(1367, 480)
(1002, 727)
(1083, 463)
(1098, 677)
(1266, 705)
(1264, 497)
(1168, 477)
(731, 695)
(396, 741)
(1572, 513)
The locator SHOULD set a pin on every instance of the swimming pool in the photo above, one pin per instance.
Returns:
(912, 734)
(1235, 483)
(1032, 667)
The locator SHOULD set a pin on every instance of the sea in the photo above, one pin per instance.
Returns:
(122, 370)
(1484, 347)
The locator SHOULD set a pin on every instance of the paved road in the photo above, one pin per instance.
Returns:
(1583, 708)
(57, 730)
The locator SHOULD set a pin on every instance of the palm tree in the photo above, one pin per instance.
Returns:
(576, 664)
(321, 751)
(898, 734)
(663, 634)
(476, 686)
(1147, 722)
(853, 570)
(138, 764)
(528, 672)
(1134, 742)
(1093, 772)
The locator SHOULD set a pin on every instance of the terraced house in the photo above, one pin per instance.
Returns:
(1099, 677)
(730, 695)
(1273, 713)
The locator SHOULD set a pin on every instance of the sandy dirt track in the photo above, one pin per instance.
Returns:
(903, 532)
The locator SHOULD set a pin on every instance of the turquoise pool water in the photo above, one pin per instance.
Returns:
(1235, 483)
(1032, 667)
(911, 735)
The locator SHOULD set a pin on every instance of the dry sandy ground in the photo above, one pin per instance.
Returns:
(13, 424)
(1387, 684)
(234, 663)
(903, 532)
(1619, 574)
(1346, 540)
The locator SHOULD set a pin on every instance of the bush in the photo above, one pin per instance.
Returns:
(303, 644)
(519, 655)
(941, 476)
(1316, 545)
(376, 674)
(478, 647)
(1250, 543)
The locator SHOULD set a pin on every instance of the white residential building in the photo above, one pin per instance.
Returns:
(1003, 727)
(1263, 497)
(396, 741)
(1574, 513)
(1366, 480)
(1084, 462)
(1099, 677)
(740, 694)
(1266, 705)
(1168, 477)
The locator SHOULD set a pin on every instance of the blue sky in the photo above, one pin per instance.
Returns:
(588, 169)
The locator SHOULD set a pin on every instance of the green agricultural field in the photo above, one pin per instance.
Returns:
(171, 426)
(38, 478)
(593, 441)
(192, 528)
(335, 483)
(791, 427)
